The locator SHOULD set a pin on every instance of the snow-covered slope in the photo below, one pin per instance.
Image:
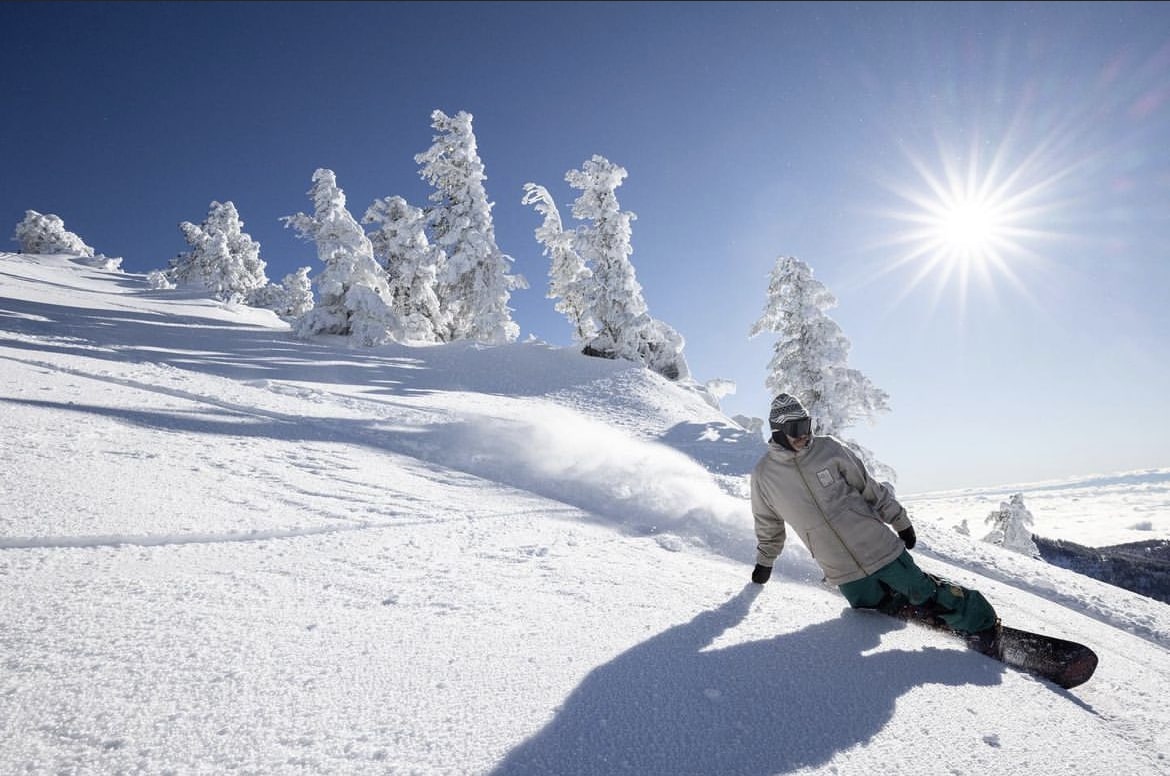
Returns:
(227, 550)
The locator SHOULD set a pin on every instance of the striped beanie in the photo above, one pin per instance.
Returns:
(785, 407)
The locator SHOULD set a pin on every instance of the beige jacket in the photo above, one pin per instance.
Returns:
(840, 513)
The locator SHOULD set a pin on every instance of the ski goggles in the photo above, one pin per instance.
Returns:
(796, 428)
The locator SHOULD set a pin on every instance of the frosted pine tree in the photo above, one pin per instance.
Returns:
(810, 357)
(612, 296)
(473, 285)
(615, 296)
(570, 281)
(400, 245)
(352, 292)
(289, 300)
(46, 233)
(1011, 527)
(223, 258)
(660, 347)
(298, 294)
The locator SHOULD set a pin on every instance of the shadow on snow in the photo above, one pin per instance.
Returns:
(673, 706)
(244, 351)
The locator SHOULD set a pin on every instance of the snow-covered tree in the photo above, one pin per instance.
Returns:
(810, 357)
(292, 299)
(401, 246)
(352, 293)
(159, 280)
(615, 299)
(473, 285)
(223, 258)
(660, 347)
(46, 233)
(1011, 527)
(570, 281)
(592, 273)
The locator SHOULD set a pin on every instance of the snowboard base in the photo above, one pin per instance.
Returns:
(1065, 663)
(1062, 662)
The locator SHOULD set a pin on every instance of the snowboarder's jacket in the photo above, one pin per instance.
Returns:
(826, 495)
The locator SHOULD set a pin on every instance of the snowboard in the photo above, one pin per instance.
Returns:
(1065, 663)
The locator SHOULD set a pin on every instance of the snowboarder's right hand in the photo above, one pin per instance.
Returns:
(761, 574)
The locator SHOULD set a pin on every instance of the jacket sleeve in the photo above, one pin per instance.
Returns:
(880, 497)
(770, 529)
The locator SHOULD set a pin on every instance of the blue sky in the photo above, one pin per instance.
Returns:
(749, 130)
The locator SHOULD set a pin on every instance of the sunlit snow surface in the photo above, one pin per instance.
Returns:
(226, 550)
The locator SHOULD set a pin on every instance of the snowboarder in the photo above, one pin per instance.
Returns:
(822, 489)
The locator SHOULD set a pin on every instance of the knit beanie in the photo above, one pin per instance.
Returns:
(784, 408)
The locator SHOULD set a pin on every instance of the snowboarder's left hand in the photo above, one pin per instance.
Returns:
(761, 574)
(908, 538)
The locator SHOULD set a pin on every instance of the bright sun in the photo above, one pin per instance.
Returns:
(969, 230)
(967, 224)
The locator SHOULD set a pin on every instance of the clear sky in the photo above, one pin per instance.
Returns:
(1028, 339)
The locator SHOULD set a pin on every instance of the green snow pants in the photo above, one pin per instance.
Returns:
(901, 581)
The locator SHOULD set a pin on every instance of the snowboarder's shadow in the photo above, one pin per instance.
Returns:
(672, 706)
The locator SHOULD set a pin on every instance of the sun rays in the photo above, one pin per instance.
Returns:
(967, 225)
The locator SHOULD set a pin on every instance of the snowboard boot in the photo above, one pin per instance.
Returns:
(928, 613)
(986, 641)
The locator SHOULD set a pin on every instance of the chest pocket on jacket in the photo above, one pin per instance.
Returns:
(825, 477)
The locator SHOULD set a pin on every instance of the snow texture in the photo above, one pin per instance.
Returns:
(225, 549)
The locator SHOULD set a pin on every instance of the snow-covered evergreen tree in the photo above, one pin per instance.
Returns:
(570, 281)
(46, 233)
(292, 299)
(473, 285)
(352, 290)
(592, 273)
(223, 258)
(1011, 527)
(660, 348)
(401, 246)
(159, 280)
(810, 357)
(615, 296)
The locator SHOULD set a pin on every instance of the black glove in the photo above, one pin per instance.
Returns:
(761, 574)
(908, 538)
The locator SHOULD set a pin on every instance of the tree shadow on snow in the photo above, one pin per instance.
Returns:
(240, 350)
(672, 706)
